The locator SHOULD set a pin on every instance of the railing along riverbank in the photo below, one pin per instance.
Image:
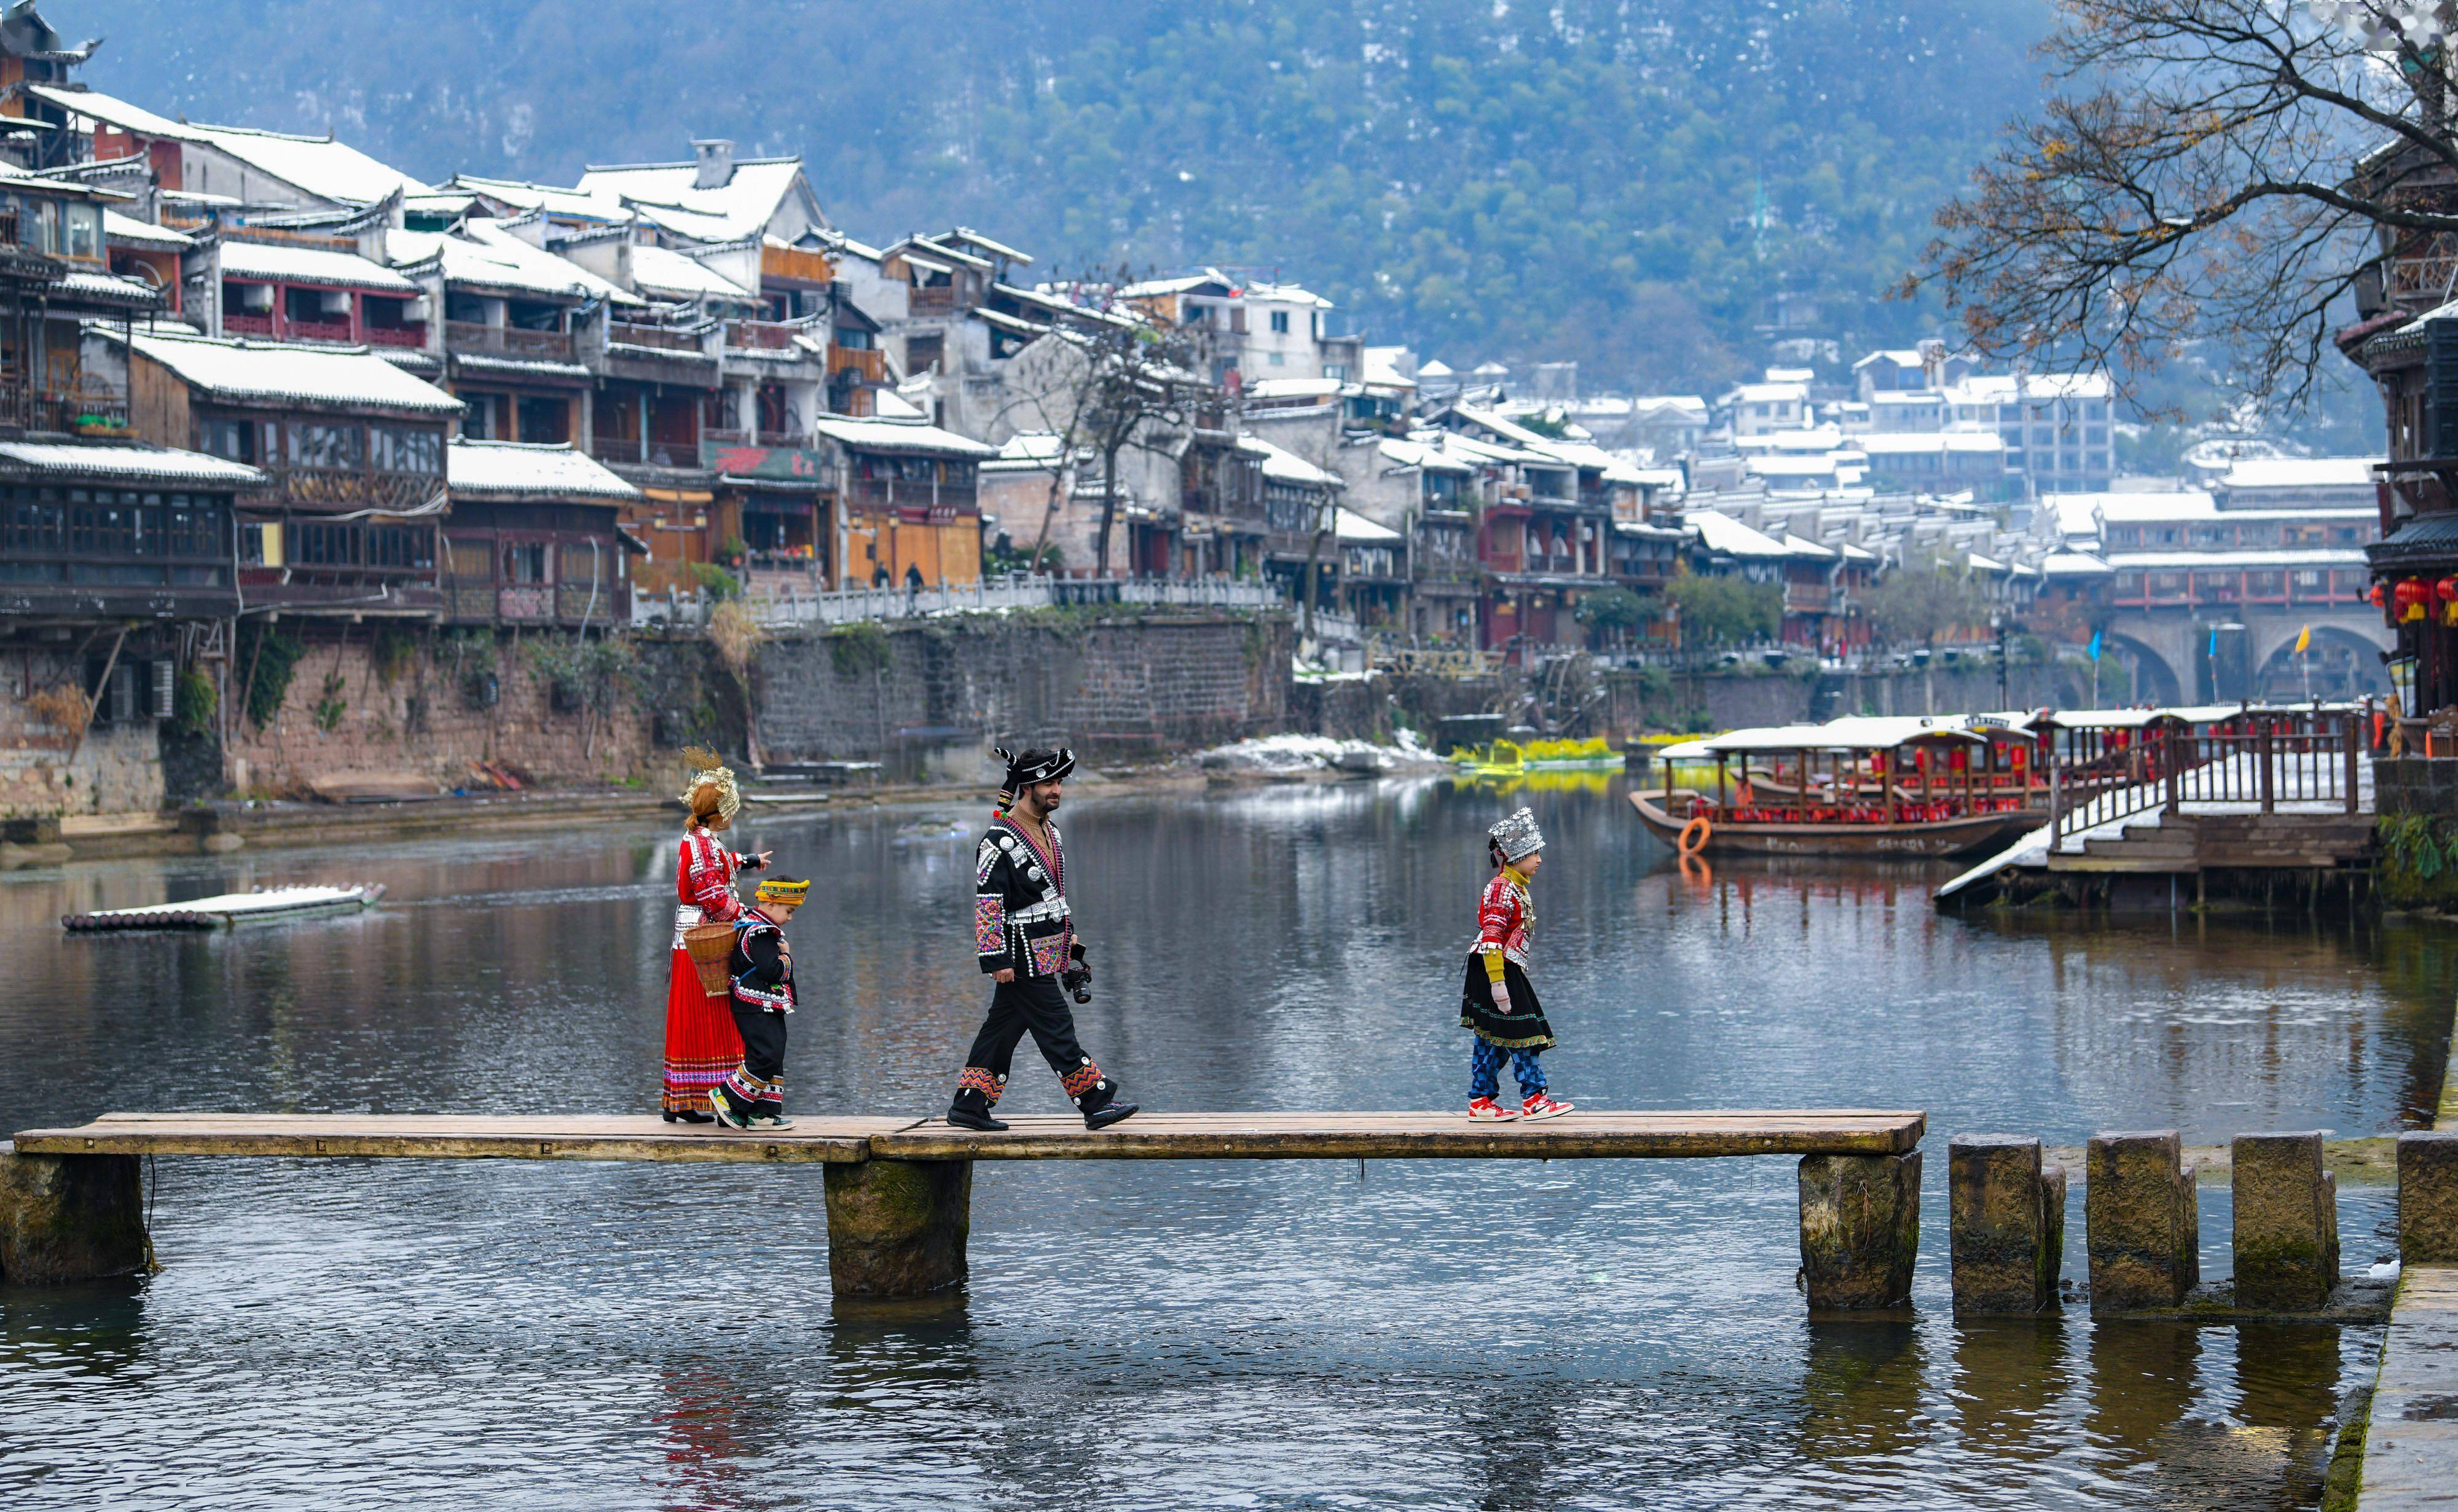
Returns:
(787, 605)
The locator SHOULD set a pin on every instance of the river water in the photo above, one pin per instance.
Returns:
(1494, 1335)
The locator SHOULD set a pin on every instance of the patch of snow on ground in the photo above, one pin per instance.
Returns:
(1299, 753)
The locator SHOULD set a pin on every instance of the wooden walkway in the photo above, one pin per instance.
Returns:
(899, 1190)
(1148, 1136)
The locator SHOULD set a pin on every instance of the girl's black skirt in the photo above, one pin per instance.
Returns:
(1523, 1028)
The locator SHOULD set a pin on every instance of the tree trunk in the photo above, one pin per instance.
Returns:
(1109, 508)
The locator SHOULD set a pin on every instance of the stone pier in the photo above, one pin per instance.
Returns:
(2287, 1237)
(2144, 1233)
(2428, 1197)
(896, 1228)
(70, 1218)
(2007, 1225)
(1860, 1229)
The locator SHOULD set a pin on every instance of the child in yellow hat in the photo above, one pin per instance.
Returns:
(762, 969)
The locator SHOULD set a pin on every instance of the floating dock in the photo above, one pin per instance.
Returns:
(227, 911)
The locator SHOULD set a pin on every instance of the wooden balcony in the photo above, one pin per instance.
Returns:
(411, 336)
(866, 364)
(472, 339)
(662, 337)
(237, 323)
(336, 332)
(761, 336)
(900, 493)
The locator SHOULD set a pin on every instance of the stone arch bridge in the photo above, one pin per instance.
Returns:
(2170, 650)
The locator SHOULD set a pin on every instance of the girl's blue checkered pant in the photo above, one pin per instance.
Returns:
(1485, 1069)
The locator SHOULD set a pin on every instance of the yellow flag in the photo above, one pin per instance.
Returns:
(2304, 640)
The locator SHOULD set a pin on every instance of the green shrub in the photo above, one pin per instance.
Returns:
(194, 701)
(714, 580)
(267, 657)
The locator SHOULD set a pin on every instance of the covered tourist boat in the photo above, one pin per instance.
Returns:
(1896, 785)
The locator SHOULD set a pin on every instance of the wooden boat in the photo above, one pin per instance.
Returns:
(1872, 786)
(227, 911)
(1924, 837)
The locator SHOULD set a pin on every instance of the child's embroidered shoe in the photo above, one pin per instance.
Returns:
(771, 1121)
(723, 1107)
(1541, 1105)
(1486, 1111)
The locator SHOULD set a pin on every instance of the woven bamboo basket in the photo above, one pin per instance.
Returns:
(709, 945)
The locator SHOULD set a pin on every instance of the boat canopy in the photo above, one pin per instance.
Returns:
(1858, 733)
(2187, 713)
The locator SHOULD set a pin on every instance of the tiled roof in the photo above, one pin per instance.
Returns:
(129, 231)
(515, 469)
(489, 256)
(740, 207)
(665, 271)
(274, 263)
(319, 165)
(274, 371)
(889, 435)
(130, 462)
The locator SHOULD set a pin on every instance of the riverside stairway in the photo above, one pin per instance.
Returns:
(899, 1190)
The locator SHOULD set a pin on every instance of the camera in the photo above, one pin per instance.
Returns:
(1078, 982)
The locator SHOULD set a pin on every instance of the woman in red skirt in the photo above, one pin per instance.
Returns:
(701, 1047)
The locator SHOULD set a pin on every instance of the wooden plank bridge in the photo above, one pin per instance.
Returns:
(898, 1190)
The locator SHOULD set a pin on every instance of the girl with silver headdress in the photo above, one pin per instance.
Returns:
(1496, 999)
(701, 1044)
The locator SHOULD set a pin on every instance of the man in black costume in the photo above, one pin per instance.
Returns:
(1026, 939)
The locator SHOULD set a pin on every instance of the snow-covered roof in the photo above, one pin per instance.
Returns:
(1271, 388)
(129, 461)
(2299, 472)
(2221, 561)
(1355, 529)
(1436, 369)
(570, 203)
(1727, 536)
(317, 165)
(740, 207)
(483, 255)
(662, 270)
(1421, 455)
(1920, 442)
(277, 372)
(523, 470)
(1810, 549)
(108, 287)
(275, 262)
(129, 231)
(1382, 367)
(1287, 293)
(2074, 564)
(1028, 451)
(893, 435)
(1285, 467)
(2137, 508)
(1767, 394)
(1900, 356)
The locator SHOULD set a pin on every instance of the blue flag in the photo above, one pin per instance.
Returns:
(2095, 645)
(2213, 651)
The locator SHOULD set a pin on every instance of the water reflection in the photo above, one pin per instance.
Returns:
(1436, 1335)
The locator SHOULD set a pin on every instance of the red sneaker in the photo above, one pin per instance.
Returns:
(1541, 1105)
(1485, 1110)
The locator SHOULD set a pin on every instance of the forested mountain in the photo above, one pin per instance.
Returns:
(1626, 182)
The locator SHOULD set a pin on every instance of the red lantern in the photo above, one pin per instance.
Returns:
(1958, 759)
(2022, 755)
(2408, 600)
(2375, 596)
